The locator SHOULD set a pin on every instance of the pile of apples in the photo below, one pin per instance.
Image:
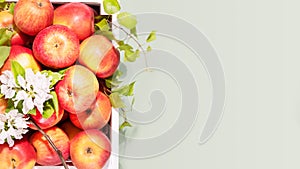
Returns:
(58, 38)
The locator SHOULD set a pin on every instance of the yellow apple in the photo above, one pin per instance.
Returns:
(90, 149)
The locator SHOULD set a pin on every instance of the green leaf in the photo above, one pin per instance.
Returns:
(63, 71)
(151, 37)
(48, 110)
(4, 53)
(99, 17)
(103, 25)
(108, 83)
(2, 1)
(55, 102)
(118, 73)
(32, 111)
(120, 42)
(111, 6)
(131, 56)
(127, 20)
(5, 36)
(125, 124)
(149, 48)
(20, 106)
(10, 105)
(112, 83)
(17, 70)
(125, 90)
(11, 8)
(56, 76)
(113, 80)
(108, 34)
(116, 100)
(1, 95)
(133, 31)
(125, 47)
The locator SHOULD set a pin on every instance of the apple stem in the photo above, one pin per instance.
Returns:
(136, 41)
(51, 143)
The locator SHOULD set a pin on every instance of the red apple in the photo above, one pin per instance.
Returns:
(45, 123)
(46, 155)
(31, 16)
(96, 116)
(90, 149)
(70, 129)
(99, 55)
(77, 16)
(78, 90)
(23, 56)
(21, 156)
(56, 47)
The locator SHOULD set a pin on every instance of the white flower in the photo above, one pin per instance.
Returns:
(8, 84)
(31, 91)
(35, 90)
(12, 126)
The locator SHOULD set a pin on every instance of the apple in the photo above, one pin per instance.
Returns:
(96, 116)
(78, 90)
(90, 149)
(99, 55)
(23, 56)
(70, 129)
(32, 16)
(77, 16)
(45, 123)
(21, 156)
(46, 155)
(56, 47)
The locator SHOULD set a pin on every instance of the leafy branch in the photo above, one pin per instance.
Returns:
(117, 94)
(127, 24)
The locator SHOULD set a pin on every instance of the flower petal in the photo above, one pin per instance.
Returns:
(27, 105)
(22, 82)
(10, 141)
(21, 95)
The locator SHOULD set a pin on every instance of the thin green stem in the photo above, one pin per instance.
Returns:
(136, 41)
(123, 114)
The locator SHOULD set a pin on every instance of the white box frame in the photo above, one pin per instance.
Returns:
(113, 161)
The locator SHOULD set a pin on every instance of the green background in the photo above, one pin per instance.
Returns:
(258, 44)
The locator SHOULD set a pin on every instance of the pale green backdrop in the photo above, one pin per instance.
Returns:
(258, 42)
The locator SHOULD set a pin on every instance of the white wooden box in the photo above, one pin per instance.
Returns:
(113, 162)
